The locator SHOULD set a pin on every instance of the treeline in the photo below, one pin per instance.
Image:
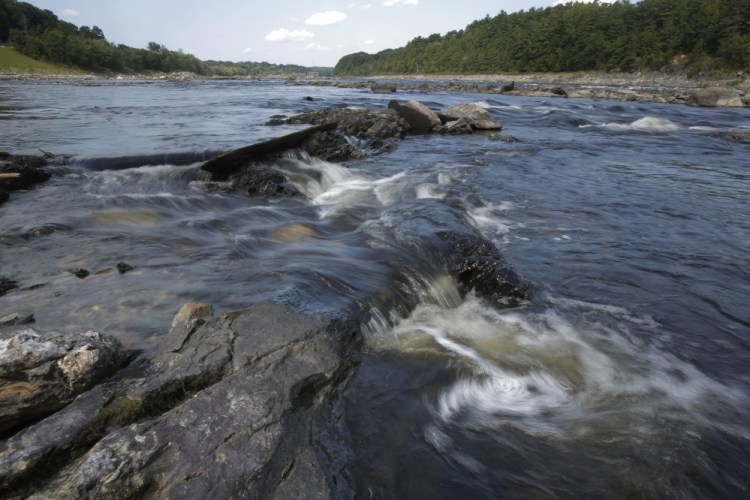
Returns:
(41, 35)
(697, 35)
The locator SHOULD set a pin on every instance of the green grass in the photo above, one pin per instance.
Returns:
(13, 62)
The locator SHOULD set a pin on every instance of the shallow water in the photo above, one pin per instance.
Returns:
(625, 375)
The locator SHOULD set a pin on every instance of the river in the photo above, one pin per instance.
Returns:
(626, 374)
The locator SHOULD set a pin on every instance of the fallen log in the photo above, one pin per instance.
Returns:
(225, 164)
(10, 175)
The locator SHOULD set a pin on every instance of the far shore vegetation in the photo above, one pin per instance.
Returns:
(682, 36)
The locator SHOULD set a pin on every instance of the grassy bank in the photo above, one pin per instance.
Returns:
(13, 62)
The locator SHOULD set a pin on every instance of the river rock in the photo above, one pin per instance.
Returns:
(20, 172)
(37, 448)
(41, 374)
(6, 285)
(225, 410)
(478, 265)
(421, 119)
(375, 130)
(477, 117)
(383, 88)
(716, 97)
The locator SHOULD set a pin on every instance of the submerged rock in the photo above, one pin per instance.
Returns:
(6, 285)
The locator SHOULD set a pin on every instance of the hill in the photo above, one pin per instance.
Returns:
(690, 35)
(13, 62)
(40, 35)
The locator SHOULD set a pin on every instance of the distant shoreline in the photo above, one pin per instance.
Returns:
(650, 87)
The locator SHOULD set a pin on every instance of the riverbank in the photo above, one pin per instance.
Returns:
(655, 88)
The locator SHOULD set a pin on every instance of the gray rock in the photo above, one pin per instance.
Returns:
(243, 431)
(421, 119)
(383, 88)
(35, 448)
(477, 117)
(456, 127)
(41, 374)
(716, 97)
(375, 129)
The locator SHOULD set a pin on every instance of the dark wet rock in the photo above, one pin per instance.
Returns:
(559, 91)
(6, 285)
(15, 319)
(508, 87)
(41, 374)
(478, 265)
(20, 172)
(503, 138)
(332, 146)
(716, 97)
(224, 410)
(263, 181)
(383, 88)
(361, 123)
(477, 117)
(36, 232)
(79, 272)
(372, 129)
(421, 119)
(123, 267)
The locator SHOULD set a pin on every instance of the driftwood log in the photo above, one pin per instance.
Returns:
(225, 164)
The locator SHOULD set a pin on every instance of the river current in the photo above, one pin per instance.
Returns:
(626, 374)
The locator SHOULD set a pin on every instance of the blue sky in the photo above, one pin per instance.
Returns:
(310, 33)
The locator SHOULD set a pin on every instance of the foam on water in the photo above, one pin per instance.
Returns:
(645, 124)
(540, 372)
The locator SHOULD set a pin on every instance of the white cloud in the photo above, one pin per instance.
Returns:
(366, 6)
(320, 47)
(369, 42)
(326, 18)
(391, 3)
(284, 35)
(247, 50)
(71, 12)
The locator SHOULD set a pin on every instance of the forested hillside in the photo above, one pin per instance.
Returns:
(699, 35)
(41, 35)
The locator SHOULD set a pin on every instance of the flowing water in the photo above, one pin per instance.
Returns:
(626, 375)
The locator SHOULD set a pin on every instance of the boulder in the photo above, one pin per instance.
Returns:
(41, 374)
(508, 87)
(421, 119)
(383, 88)
(714, 97)
(477, 117)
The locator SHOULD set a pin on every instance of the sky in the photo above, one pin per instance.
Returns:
(304, 32)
